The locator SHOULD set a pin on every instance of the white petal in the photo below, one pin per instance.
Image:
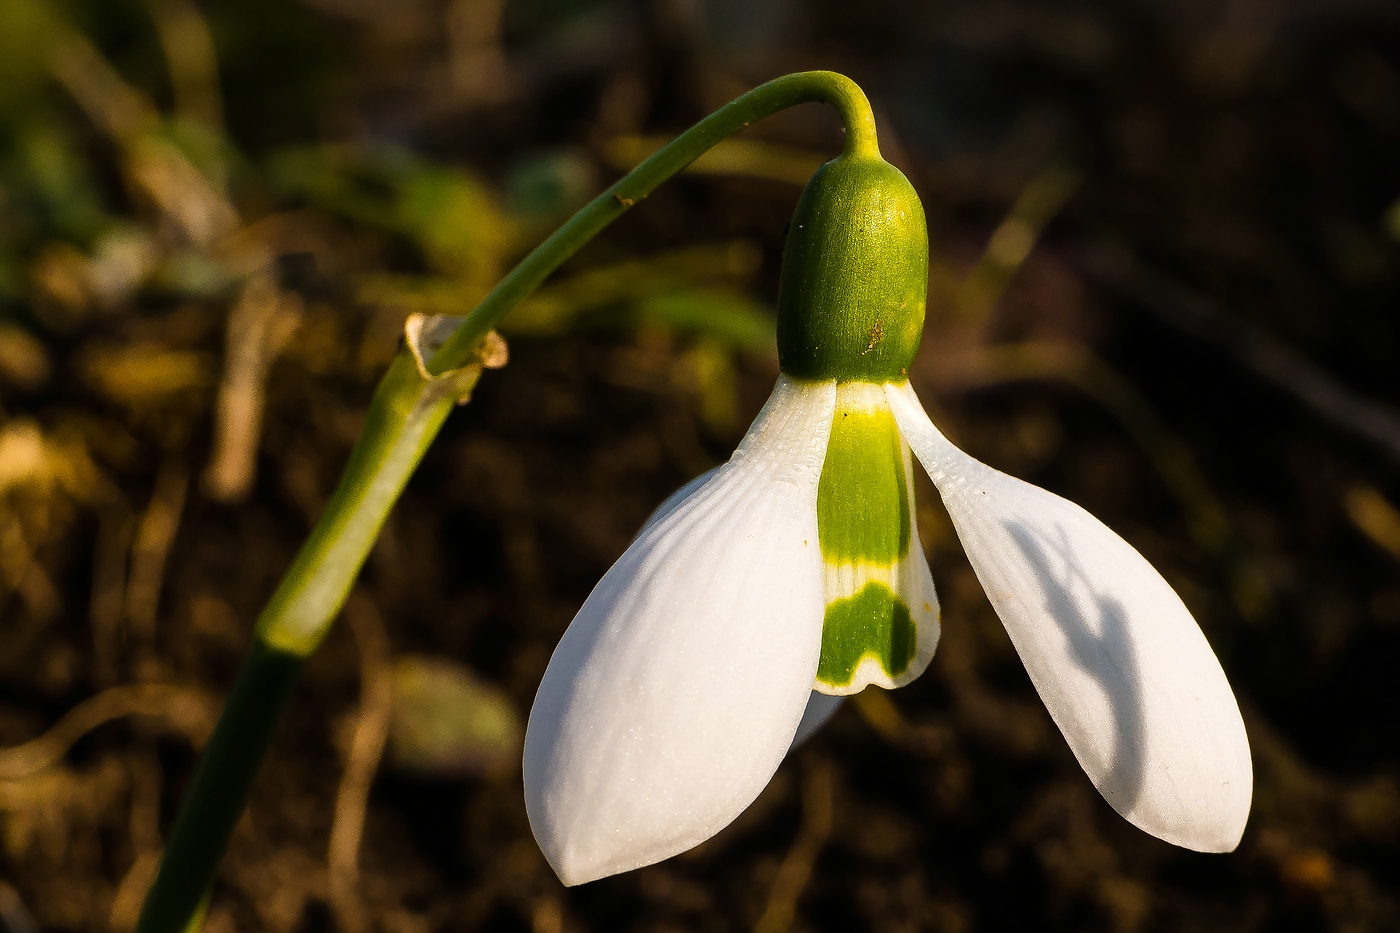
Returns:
(675, 499)
(677, 689)
(820, 708)
(1122, 667)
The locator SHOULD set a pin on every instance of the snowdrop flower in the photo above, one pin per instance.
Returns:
(792, 575)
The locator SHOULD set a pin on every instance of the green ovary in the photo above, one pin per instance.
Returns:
(873, 623)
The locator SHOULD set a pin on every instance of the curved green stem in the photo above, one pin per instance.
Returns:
(404, 416)
(765, 100)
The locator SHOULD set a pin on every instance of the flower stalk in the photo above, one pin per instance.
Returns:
(409, 406)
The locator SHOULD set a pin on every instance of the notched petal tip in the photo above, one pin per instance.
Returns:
(677, 689)
(1121, 665)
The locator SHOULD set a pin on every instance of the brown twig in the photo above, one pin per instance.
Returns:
(259, 325)
(155, 533)
(366, 749)
(1206, 519)
(477, 62)
(22, 573)
(1080, 367)
(881, 715)
(117, 108)
(109, 571)
(1373, 514)
(13, 912)
(1012, 241)
(145, 838)
(157, 168)
(188, 711)
(1257, 350)
(189, 53)
(796, 868)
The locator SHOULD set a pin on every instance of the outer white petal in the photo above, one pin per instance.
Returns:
(820, 708)
(677, 689)
(1120, 663)
(674, 500)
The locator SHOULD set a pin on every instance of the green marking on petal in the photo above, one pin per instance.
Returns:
(873, 623)
(881, 622)
(863, 496)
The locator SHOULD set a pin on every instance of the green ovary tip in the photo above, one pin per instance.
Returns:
(873, 623)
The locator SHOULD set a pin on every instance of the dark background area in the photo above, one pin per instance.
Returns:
(1166, 246)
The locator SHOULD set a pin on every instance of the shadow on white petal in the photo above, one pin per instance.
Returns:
(1121, 665)
(820, 709)
(1100, 644)
(677, 689)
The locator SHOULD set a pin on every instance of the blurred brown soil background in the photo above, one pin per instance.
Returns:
(1166, 248)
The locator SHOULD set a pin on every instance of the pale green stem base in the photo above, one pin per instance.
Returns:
(404, 417)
